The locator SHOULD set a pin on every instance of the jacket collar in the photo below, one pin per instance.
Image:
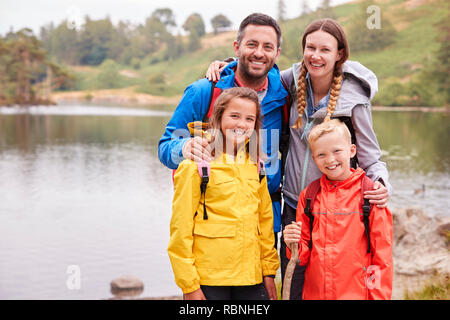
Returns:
(330, 185)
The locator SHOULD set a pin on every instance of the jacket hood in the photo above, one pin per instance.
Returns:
(366, 78)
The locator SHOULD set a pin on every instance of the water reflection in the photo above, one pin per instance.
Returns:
(416, 149)
(88, 190)
(84, 191)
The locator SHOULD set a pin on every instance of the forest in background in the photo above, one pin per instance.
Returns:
(409, 53)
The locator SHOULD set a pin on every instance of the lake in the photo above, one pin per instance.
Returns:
(84, 198)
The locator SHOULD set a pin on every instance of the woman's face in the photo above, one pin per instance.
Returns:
(321, 54)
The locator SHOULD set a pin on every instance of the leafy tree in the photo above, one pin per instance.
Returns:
(304, 7)
(194, 24)
(61, 43)
(108, 77)
(281, 11)
(220, 22)
(23, 66)
(166, 16)
(95, 42)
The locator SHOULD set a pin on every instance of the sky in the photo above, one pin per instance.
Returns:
(34, 14)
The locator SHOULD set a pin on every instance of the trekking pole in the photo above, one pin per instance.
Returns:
(293, 262)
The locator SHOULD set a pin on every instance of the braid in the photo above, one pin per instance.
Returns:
(301, 96)
(334, 94)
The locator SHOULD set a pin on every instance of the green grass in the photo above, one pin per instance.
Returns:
(437, 288)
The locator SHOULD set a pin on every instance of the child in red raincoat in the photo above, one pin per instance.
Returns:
(335, 252)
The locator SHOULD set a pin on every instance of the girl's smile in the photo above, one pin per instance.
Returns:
(238, 122)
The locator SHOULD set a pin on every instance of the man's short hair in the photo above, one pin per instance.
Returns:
(259, 19)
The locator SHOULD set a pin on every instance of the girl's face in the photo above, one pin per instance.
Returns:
(321, 54)
(238, 122)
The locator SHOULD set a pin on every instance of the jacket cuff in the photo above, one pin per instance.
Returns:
(271, 269)
(192, 288)
(176, 154)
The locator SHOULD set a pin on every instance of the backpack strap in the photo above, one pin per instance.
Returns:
(367, 184)
(285, 129)
(261, 170)
(348, 122)
(204, 170)
(311, 193)
(215, 92)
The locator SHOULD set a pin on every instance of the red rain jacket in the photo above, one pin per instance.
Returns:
(338, 265)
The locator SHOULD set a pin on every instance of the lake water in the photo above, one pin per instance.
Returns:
(83, 195)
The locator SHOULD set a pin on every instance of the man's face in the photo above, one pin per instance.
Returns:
(257, 51)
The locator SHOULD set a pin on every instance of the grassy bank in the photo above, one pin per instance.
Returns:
(435, 288)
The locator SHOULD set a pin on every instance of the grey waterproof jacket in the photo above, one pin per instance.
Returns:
(359, 86)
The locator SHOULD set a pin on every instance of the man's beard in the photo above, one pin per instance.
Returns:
(251, 75)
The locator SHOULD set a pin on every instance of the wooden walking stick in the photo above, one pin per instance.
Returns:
(290, 271)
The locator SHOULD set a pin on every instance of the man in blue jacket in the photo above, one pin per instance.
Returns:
(257, 47)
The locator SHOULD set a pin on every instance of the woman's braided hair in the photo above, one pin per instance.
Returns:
(332, 27)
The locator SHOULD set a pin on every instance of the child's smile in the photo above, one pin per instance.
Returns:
(238, 122)
(332, 153)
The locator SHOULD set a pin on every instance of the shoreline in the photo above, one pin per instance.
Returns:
(129, 96)
(411, 108)
(125, 96)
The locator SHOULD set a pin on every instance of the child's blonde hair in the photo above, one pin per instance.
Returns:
(329, 126)
(332, 27)
(222, 103)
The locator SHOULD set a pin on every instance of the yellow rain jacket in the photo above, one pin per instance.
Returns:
(235, 245)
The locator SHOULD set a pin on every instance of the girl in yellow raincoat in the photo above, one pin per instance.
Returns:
(221, 240)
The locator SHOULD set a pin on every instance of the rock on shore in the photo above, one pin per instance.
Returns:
(421, 248)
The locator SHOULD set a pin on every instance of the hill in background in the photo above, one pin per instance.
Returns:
(410, 57)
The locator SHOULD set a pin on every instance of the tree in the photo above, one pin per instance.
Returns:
(108, 77)
(23, 67)
(61, 43)
(95, 42)
(196, 28)
(281, 11)
(304, 7)
(220, 22)
(194, 24)
(166, 16)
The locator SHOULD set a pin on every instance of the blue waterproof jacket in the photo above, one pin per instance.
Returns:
(194, 105)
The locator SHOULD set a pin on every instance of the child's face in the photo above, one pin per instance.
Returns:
(321, 54)
(238, 122)
(332, 153)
